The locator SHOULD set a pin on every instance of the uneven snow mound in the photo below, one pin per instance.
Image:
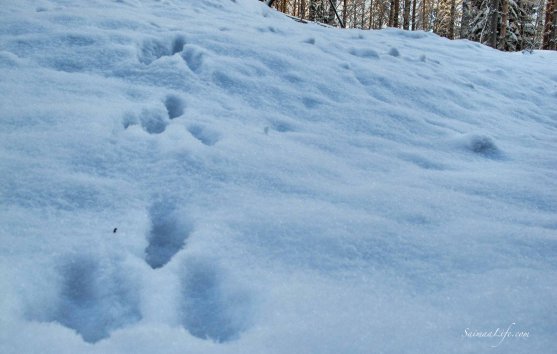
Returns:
(210, 176)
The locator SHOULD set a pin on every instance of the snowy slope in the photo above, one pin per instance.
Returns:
(276, 187)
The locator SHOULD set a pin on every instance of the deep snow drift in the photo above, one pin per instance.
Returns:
(276, 187)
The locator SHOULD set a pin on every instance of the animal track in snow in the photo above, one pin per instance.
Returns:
(206, 135)
(174, 106)
(209, 308)
(153, 49)
(270, 29)
(154, 120)
(194, 57)
(310, 102)
(481, 145)
(282, 126)
(364, 53)
(167, 235)
(394, 52)
(95, 298)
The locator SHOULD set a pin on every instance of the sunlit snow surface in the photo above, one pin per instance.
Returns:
(276, 187)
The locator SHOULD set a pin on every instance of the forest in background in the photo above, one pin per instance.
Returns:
(509, 25)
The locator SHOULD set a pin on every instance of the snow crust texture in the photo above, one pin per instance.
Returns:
(212, 177)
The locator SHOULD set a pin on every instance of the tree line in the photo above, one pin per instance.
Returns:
(509, 25)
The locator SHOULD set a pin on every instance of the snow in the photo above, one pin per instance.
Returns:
(276, 187)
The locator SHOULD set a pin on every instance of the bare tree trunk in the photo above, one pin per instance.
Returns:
(424, 3)
(381, 14)
(392, 14)
(553, 33)
(344, 12)
(371, 15)
(331, 14)
(452, 19)
(437, 19)
(353, 13)
(504, 19)
(494, 20)
(406, 15)
(397, 8)
(465, 22)
(414, 15)
(549, 24)
(363, 17)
